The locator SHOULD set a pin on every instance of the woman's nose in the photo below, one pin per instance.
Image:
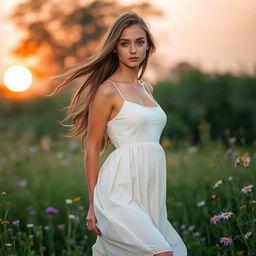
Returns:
(133, 48)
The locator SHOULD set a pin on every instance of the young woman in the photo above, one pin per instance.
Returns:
(127, 195)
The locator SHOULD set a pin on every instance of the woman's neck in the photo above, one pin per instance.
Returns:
(125, 75)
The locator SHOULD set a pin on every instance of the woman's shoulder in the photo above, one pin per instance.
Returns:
(107, 88)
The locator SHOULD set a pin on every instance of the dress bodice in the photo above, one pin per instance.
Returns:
(136, 123)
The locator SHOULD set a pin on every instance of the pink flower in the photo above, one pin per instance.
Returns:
(226, 240)
(61, 226)
(215, 219)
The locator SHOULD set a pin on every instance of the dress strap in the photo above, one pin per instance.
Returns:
(145, 86)
(116, 88)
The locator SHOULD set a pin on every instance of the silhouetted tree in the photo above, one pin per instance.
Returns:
(60, 33)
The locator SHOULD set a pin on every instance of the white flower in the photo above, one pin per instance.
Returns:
(69, 201)
(200, 203)
(226, 215)
(191, 228)
(237, 162)
(30, 225)
(219, 182)
(71, 216)
(196, 234)
(8, 244)
(183, 226)
(247, 235)
(247, 189)
(230, 178)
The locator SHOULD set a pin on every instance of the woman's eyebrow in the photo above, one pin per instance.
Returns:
(123, 39)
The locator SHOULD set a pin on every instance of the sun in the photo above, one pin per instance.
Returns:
(18, 78)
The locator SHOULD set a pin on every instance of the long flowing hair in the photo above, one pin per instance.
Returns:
(101, 65)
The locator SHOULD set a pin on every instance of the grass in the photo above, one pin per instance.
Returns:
(201, 182)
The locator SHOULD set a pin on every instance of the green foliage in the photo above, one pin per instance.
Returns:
(225, 102)
(40, 173)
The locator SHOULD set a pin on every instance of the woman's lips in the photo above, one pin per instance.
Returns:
(133, 59)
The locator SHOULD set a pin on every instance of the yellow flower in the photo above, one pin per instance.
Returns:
(76, 199)
(244, 156)
(5, 222)
(166, 142)
(242, 206)
(46, 143)
(212, 165)
(3, 193)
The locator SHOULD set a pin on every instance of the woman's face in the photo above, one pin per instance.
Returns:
(132, 46)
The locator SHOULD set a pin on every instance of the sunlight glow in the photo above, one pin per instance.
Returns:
(18, 78)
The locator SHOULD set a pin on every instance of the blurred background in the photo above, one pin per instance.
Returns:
(204, 75)
(204, 66)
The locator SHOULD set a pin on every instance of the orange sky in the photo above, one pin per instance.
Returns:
(218, 35)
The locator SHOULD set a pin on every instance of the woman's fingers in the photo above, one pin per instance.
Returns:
(95, 229)
(91, 225)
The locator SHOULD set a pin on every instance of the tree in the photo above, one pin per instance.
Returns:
(60, 33)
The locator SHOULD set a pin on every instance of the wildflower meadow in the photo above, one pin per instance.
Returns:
(44, 198)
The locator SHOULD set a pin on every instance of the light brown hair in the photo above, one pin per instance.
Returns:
(96, 70)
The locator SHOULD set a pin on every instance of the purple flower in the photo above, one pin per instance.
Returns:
(9, 230)
(61, 226)
(215, 219)
(247, 189)
(226, 240)
(16, 222)
(51, 210)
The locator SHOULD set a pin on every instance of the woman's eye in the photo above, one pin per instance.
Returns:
(124, 44)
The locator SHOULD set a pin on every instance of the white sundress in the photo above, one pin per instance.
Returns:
(130, 194)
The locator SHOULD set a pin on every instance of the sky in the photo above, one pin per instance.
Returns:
(216, 35)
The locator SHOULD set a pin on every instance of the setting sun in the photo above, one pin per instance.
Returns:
(18, 78)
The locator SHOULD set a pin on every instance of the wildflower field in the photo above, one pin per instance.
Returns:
(44, 198)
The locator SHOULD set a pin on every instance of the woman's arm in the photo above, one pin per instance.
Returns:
(98, 116)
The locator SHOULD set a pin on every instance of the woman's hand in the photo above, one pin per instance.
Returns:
(91, 221)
